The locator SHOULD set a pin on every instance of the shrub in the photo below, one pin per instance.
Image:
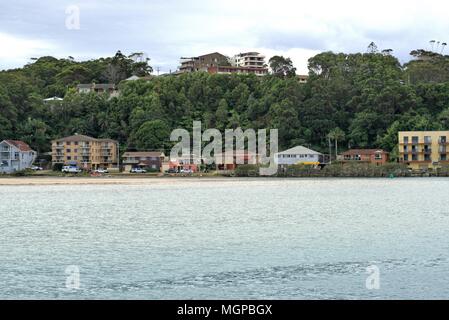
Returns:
(247, 170)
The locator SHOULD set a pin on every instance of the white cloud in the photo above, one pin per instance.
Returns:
(169, 29)
(18, 51)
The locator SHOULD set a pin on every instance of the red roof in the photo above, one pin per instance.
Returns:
(363, 152)
(22, 146)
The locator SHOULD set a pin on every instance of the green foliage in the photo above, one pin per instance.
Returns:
(369, 97)
(282, 67)
(247, 170)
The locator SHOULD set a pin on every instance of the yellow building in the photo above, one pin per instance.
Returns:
(424, 149)
(85, 152)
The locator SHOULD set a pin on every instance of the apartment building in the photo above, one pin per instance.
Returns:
(85, 152)
(237, 70)
(202, 63)
(249, 60)
(423, 150)
(15, 156)
(217, 63)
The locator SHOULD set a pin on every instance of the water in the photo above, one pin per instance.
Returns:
(231, 239)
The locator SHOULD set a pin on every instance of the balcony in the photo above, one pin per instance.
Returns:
(129, 161)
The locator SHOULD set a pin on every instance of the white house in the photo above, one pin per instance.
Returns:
(298, 155)
(15, 156)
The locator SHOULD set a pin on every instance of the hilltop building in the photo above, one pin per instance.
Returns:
(249, 60)
(98, 88)
(217, 63)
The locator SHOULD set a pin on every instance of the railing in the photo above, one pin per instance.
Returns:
(130, 161)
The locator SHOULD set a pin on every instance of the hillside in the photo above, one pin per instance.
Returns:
(368, 96)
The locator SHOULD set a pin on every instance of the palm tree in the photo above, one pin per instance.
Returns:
(443, 46)
(432, 44)
(337, 135)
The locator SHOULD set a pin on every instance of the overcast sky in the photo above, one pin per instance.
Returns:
(169, 29)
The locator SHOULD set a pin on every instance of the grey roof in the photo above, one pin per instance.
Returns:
(300, 150)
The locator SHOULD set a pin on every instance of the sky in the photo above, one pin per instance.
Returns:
(167, 30)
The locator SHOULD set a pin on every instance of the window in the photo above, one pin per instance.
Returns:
(405, 157)
(378, 156)
(75, 158)
(76, 143)
(76, 150)
(415, 140)
(427, 157)
(443, 139)
(428, 140)
(69, 158)
(405, 140)
(68, 150)
(69, 143)
(414, 157)
(443, 157)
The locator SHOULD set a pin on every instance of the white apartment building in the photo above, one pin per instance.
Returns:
(249, 60)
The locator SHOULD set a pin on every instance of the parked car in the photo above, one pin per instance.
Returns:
(102, 171)
(36, 168)
(138, 170)
(188, 171)
(172, 171)
(70, 169)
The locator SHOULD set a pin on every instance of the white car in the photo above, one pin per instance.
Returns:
(102, 171)
(36, 168)
(187, 171)
(138, 170)
(70, 169)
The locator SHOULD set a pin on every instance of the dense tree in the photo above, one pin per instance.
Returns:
(369, 96)
(282, 67)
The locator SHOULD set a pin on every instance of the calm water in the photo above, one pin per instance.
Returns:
(244, 239)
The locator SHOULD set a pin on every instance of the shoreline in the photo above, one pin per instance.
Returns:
(114, 180)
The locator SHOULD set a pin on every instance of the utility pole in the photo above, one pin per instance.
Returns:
(330, 151)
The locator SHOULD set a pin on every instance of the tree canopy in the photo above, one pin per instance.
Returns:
(368, 96)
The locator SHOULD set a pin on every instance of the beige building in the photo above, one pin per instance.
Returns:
(85, 152)
(424, 149)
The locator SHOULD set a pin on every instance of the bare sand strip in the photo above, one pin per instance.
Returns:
(28, 181)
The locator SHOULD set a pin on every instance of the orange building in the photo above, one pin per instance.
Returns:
(373, 156)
